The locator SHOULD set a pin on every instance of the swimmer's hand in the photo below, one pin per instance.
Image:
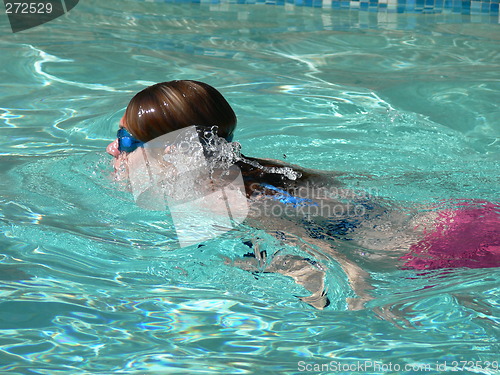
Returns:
(305, 272)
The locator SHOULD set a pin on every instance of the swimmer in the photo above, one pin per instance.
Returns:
(310, 209)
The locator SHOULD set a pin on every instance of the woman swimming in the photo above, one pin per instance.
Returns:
(305, 208)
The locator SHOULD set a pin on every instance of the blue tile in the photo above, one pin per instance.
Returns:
(465, 7)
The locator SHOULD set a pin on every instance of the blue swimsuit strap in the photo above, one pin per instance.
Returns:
(287, 198)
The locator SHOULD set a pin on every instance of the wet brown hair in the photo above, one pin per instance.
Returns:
(169, 106)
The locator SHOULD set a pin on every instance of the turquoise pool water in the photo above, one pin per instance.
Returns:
(406, 105)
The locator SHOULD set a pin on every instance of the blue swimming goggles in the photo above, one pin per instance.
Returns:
(127, 143)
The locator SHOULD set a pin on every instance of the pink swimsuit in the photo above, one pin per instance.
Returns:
(468, 236)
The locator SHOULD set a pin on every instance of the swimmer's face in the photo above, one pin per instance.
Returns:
(121, 158)
(126, 141)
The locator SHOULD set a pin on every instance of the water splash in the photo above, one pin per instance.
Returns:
(222, 154)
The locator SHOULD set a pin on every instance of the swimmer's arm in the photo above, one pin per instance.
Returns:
(295, 235)
(357, 277)
(359, 281)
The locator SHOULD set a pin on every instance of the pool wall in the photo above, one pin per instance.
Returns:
(484, 7)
